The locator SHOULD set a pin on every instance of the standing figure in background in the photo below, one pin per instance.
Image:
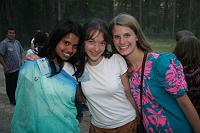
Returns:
(39, 41)
(187, 51)
(165, 104)
(46, 87)
(32, 39)
(11, 53)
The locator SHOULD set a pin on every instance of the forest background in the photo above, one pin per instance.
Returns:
(160, 19)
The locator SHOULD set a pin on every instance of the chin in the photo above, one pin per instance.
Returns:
(122, 52)
(65, 59)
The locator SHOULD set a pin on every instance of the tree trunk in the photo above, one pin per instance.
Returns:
(174, 18)
(140, 12)
(189, 15)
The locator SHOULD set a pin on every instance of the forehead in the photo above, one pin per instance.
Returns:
(72, 38)
(118, 29)
(11, 31)
(96, 35)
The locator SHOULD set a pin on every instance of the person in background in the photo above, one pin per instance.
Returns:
(11, 53)
(40, 39)
(182, 33)
(104, 82)
(32, 43)
(46, 87)
(187, 51)
(165, 104)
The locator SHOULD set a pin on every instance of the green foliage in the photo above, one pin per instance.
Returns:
(156, 15)
(162, 45)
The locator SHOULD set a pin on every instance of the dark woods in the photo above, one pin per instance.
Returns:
(157, 17)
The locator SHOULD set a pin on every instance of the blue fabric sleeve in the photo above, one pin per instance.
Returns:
(169, 73)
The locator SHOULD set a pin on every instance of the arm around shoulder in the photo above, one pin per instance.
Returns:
(125, 82)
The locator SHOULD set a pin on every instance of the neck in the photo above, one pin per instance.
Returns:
(56, 62)
(135, 59)
(94, 63)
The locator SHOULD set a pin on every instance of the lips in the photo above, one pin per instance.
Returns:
(95, 54)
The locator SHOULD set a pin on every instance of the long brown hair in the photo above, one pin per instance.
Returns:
(187, 51)
(90, 29)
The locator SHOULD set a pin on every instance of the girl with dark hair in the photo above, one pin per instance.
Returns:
(46, 87)
(104, 82)
(187, 51)
(182, 33)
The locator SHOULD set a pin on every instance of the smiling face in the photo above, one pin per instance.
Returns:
(67, 46)
(95, 48)
(11, 34)
(124, 39)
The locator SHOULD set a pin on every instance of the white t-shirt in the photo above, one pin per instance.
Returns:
(69, 68)
(106, 99)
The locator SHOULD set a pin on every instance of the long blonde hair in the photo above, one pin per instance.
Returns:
(124, 19)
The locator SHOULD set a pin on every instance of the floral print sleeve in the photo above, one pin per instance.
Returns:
(169, 73)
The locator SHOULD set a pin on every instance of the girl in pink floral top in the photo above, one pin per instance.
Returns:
(165, 104)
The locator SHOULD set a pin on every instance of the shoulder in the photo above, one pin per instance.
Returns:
(3, 42)
(29, 51)
(119, 63)
(30, 64)
(17, 41)
(27, 67)
(167, 64)
(165, 61)
(169, 73)
(68, 67)
(164, 58)
(117, 58)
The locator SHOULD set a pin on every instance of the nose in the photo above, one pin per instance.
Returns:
(121, 40)
(70, 49)
(97, 47)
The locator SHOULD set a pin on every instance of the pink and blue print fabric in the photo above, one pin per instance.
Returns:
(164, 82)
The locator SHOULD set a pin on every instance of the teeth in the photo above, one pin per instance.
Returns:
(122, 47)
(66, 54)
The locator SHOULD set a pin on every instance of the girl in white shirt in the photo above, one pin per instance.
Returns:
(104, 82)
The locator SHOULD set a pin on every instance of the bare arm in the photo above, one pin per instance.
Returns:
(190, 112)
(125, 82)
(79, 94)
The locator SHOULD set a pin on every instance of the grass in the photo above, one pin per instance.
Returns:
(162, 45)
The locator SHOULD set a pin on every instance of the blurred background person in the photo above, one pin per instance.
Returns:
(11, 59)
(39, 41)
(187, 51)
(182, 33)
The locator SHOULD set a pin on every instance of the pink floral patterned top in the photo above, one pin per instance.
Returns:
(164, 82)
